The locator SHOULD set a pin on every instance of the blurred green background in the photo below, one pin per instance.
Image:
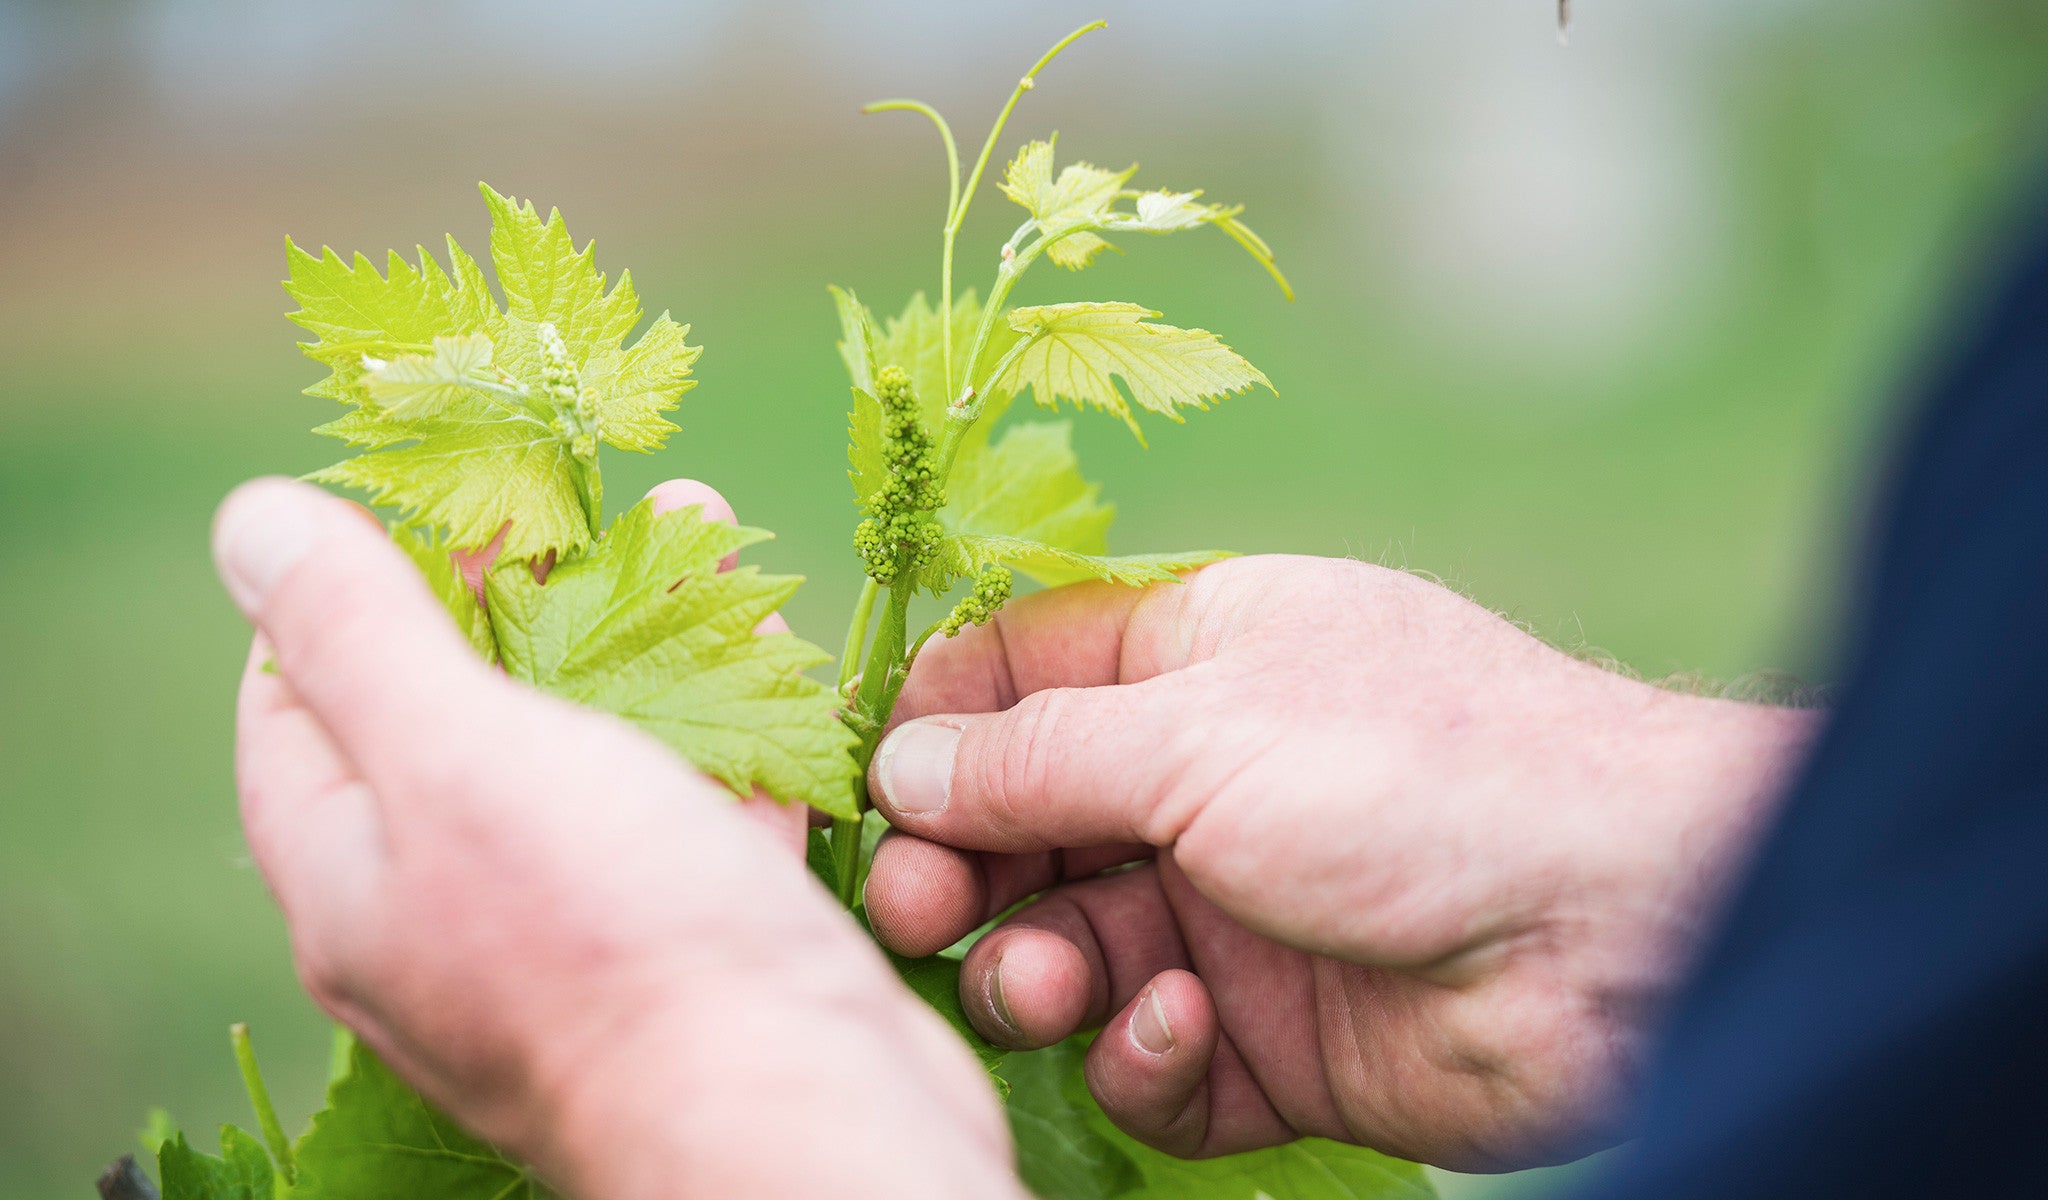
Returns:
(1607, 335)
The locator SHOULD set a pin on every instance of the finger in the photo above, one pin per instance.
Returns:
(358, 636)
(677, 494)
(921, 897)
(1163, 1071)
(312, 826)
(788, 822)
(473, 565)
(1068, 960)
(1068, 767)
(1084, 635)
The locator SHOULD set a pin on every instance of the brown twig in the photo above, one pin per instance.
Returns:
(123, 1180)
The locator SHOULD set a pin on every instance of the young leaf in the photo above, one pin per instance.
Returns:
(547, 279)
(415, 385)
(377, 1139)
(470, 458)
(242, 1172)
(866, 466)
(1028, 484)
(856, 339)
(1080, 197)
(646, 626)
(1077, 351)
(1171, 212)
(1023, 503)
(966, 554)
(914, 341)
(469, 469)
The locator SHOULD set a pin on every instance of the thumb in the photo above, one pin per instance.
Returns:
(1063, 767)
(364, 644)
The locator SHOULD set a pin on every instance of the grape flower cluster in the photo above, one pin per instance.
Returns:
(900, 532)
(991, 592)
(575, 407)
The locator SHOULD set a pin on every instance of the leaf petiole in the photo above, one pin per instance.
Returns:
(259, 1099)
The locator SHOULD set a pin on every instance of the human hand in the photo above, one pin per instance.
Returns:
(581, 948)
(1411, 878)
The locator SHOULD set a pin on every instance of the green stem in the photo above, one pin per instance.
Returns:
(887, 665)
(259, 1099)
(846, 857)
(857, 632)
(1024, 85)
(593, 496)
(951, 227)
(871, 702)
(965, 197)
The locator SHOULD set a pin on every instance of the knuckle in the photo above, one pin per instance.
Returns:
(1027, 761)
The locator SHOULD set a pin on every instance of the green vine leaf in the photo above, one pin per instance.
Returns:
(242, 1172)
(936, 980)
(915, 341)
(646, 626)
(423, 385)
(377, 1139)
(1067, 1149)
(1022, 502)
(966, 554)
(1061, 1153)
(1079, 198)
(469, 444)
(1079, 351)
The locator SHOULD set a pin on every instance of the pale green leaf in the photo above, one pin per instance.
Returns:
(1028, 484)
(915, 342)
(417, 385)
(470, 469)
(1022, 502)
(635, 385)
(378, 1140)
(646, 626)
(1171, 212)
(545, 278)
(856, 338)
(469, 459)
(1077, 249)
(1078, 351)
(964, 554)
(1080, 193)
(158, 1127)
(866, 466)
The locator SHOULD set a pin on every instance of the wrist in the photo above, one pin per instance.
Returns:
(1710, 776)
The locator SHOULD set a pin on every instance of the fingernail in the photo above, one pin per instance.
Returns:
(261, 534)
(914, 767)
(1148, 1025)
(996, 1003)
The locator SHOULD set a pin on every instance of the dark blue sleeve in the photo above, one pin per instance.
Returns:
(1872, 1020)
